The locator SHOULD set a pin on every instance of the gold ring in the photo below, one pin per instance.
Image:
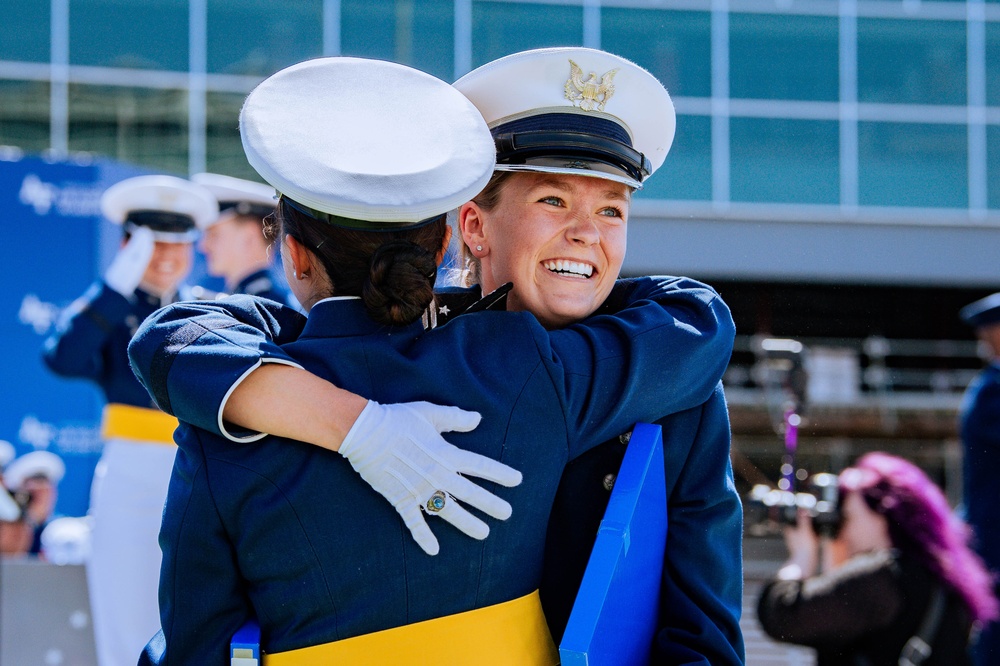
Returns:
(436, 502)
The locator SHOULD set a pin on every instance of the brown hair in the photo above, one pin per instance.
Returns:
(392, 271)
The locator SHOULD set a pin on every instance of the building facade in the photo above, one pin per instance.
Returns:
(836, 171)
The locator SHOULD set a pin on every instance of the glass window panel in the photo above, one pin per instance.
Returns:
(24, 115)
(419, 33)
(500, 28)
(142, 126)
(993, 166)
(675, 46)
(911, 62)
(686, 174)
(909, 164)
(250, 37)
(783, 57)
(993, 63)
(223, 148)
(152, 34)
(784, 161)
(25, 31)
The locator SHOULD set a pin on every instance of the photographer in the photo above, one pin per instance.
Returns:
(902, 587)
(32, 481)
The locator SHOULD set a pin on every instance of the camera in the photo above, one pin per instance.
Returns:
(769, 507)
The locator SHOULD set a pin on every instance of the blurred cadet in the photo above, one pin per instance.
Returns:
(908, 590)
(66, 540)
(160, 216)
(571, 149)
(33, 479)
(234, 245)
(980, 432)
(362, 228)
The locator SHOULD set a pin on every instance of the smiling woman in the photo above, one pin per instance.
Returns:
(560, 239)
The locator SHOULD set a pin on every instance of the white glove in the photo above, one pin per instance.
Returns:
(129, 265)
(399, 451)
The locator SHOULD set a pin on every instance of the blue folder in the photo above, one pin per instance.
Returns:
(614, 617)
(244, 649)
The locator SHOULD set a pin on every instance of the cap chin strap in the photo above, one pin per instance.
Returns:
(519, 147)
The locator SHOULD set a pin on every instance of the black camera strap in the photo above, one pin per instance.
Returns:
(918, 648)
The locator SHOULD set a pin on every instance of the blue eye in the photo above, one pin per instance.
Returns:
(555, 201)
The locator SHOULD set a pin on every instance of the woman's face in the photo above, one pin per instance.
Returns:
(560, 239)
(170, 263)
(863, 528)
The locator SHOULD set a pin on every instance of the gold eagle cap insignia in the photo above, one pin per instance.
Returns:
(589, 93)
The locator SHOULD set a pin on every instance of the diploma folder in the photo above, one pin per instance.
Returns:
(614, 617)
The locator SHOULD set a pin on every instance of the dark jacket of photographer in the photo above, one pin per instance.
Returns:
(863, 613)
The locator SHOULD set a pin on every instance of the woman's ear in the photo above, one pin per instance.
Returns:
(301, 257)
(470, 223)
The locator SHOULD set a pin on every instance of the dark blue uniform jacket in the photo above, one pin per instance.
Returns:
(289, 533)
(980, 424)
(91, 341)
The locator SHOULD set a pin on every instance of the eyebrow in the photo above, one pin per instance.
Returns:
(561, 185)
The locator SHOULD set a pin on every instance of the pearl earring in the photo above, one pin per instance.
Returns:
(479, 248)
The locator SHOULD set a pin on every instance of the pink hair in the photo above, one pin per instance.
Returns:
(923, 525)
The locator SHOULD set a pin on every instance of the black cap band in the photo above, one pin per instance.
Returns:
(161, 221)
(248, 208)
(571, 136)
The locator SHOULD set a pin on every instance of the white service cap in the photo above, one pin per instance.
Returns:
(36, 463)
(238, 196)
(575, 111)
(366, 143)
(172, 207)
(67, 540)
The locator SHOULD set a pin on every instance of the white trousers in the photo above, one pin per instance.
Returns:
(123, 573)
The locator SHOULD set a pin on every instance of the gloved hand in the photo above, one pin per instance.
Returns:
(399, 451)
(129, 265)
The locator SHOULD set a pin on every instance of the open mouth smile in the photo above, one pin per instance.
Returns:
(574, 269)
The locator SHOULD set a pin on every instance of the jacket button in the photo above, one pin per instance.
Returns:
(609, 482)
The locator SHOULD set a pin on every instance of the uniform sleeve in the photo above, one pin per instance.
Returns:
(76, 348)
(191, 355)
(196, 628)
(701, 595)
(662, 353)
(857, 599)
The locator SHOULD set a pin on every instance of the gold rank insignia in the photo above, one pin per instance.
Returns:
(590, 93)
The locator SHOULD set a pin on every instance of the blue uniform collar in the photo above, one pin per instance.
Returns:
(346, 317)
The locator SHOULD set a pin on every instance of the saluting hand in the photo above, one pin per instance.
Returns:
(127, 268)
(399, 451)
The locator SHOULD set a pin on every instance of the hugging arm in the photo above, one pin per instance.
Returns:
(211, 364)
(663, 352)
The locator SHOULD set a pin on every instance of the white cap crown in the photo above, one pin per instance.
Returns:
(366, 140)
(574, 110)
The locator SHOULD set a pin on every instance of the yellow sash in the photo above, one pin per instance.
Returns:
(513, 632)
(137, 423)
